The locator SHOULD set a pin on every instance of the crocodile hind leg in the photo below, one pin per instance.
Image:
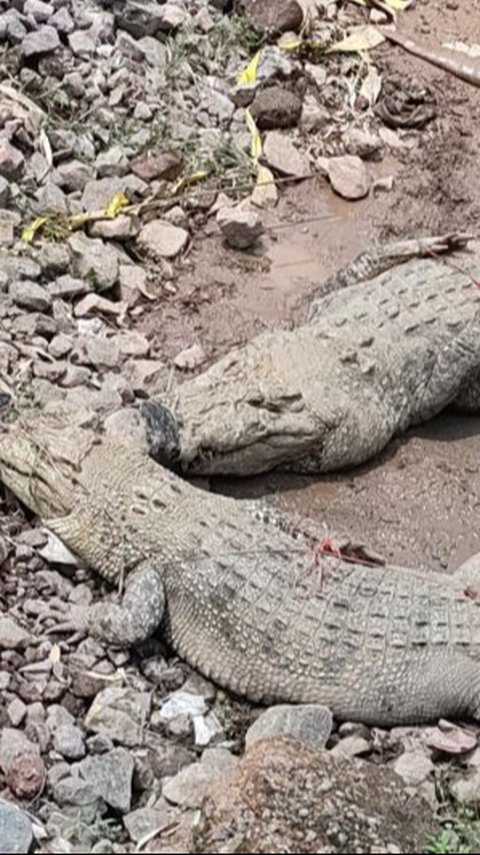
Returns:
(373, 262)
(122, 624)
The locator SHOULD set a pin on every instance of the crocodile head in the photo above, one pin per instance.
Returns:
(38, 463)
(240, 438)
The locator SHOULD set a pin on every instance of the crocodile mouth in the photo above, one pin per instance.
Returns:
(276, 450)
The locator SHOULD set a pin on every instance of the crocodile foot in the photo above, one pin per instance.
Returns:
(121, 624)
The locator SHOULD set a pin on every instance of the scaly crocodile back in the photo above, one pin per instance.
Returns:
(250, 608)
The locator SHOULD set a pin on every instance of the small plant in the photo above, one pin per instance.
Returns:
(460, 833)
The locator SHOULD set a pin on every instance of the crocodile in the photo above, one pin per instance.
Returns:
(372, 360)
(244, 598)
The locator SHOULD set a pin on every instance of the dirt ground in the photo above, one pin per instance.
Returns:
(418, 502)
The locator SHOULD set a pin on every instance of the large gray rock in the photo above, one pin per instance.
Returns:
(120, 714)
(16, 832)
(311, 723)
(43, 40)
(110, 777)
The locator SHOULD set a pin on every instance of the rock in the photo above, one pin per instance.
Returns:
(96, 350)
(15, 267)
(119, 714)
(310, 723)
(52, 199)
(26, 776)
(12, 636)
(467, 789)
(189, 787)
(29, 295)
(450, 739)
(112, 163)
(314, 117)
(191, 358)
(39, 10)
(68, 287)
(93, 304)
(73, 175)
(13, 744)
(173, 16)
(62, 21)
(4, 191)
(351, 746)
(162, 240)
(82, 43)
(274, 16)
(110, 777)
(94, 261)
(241, 226)
(316, 73)
(133, 283)
(146, 376)
(273, 64)
(182, 703)
(53, 258)
(348, 176)
(282, 797)
(281, 154)
(413, 767)
(128, 426)
(56, 552)
(58, 716)
(16, 711)
(9, 221)
(141, 822)
(99, 193)
(207, 730)
(152, 165)
(43, 40)
(122, 227)
(12, 161)
(16, 832)
(275, 107)
(362, 143)
(133, 343)
(69, 741)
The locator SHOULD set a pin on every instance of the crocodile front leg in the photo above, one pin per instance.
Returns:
(375, 261)
(122, 624)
